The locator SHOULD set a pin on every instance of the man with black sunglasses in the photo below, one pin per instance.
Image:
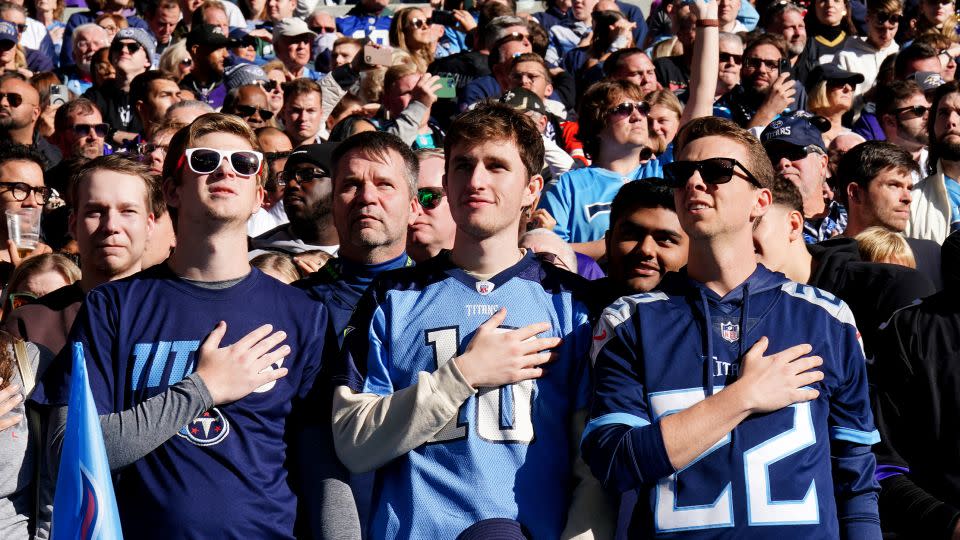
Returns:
(729, 416)
(131, 53)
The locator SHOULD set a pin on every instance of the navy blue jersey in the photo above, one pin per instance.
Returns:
(507, 453)
(224, 474)
(788, 474)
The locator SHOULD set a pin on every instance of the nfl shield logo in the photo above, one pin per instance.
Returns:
(730, 331)
(484, 287)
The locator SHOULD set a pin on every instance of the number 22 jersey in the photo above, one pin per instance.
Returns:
(506, 454)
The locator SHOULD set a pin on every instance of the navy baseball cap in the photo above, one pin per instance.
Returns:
(798, 130)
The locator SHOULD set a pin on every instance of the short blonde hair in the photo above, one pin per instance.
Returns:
(881, 245)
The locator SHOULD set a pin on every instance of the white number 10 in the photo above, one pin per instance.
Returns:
(504, 414)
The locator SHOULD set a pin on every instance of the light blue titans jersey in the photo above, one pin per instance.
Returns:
(506, 454)
(580, 200)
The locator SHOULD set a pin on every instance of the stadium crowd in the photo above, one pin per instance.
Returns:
(451, 270)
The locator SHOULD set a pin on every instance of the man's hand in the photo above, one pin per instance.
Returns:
(770, 383)
(14, 255)
(426, 90)
(232, 372)
(495, 358)
(9, 398)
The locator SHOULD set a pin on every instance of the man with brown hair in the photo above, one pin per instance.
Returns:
(492, 436)
(767, 446)
(206, 368)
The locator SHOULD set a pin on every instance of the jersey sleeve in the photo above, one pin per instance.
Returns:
(556, 200)
(364, 358)
(852, 433)
(620, 443)
(95, 328)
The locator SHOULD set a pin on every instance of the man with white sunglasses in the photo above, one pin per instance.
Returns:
(205, 370)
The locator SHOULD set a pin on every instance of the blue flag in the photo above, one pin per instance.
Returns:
(84, 506)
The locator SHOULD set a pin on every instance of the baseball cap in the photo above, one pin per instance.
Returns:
(140, 36)
(319, 155)
(242, 74)
(8, 32)
(928, 80)
(291, 27)
(522, 99)
(209, 35)
(830, 72)
(800, 129)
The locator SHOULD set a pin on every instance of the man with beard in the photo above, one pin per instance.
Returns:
(786, 19)
(764, 91)
(131, 53)
(307, 200)
(864, 55)
(207, 45)
(935, 210)
(19, 112)
(903, 108)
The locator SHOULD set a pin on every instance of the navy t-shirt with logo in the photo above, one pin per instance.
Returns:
(225, 474)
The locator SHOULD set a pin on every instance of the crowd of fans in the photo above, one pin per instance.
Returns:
(822, 137)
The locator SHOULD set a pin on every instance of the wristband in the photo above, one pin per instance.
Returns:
(708, 23)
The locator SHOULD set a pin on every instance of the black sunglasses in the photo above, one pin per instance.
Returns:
(429, 198)
(22, 190)
(732, 58)
(626, 108)
(717, 170)
(246, 111)
(131, 47)
(101, 130)
(916, 110)
(755, 63)
(12, 98)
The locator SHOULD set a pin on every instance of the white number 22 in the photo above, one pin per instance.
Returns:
(761, 510)
(491, 402)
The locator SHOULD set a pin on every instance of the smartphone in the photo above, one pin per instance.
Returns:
(448, 88)
(444, 18)
(58, 94)
(377, 56)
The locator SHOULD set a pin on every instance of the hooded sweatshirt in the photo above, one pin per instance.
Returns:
(804, 471)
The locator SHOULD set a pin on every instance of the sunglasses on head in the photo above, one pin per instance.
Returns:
(131, 46)
(100, 130)
(246, 111)
(892, 18)
(15, 100)
(916, 110)
(429, 198)
(208, 160)
(732, 58)
(713, 171)
(626, 108)
(755, 63)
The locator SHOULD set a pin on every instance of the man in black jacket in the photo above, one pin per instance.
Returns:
(872, 290)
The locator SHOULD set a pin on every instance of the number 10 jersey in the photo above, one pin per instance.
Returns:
(507, 452)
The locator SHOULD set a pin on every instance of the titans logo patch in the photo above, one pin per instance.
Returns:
(208, 429)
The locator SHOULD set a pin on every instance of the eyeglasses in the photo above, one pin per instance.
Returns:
(791, 152)
(626, 109)
(100, 130)
(208, 160)
(732, 58)
(131, 46)
(246, 111)
(713, 171)
(755, 63)
(270, 85)
(303, 176)
(916, 110)
(14, 99)
(419, 24)
(22, 190)
(429, 198)
(892, 18)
